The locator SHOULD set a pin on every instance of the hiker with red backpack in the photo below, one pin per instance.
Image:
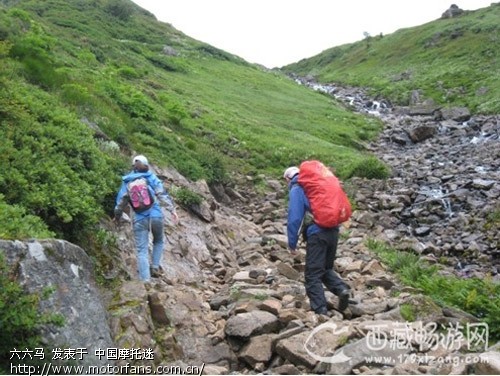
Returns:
(317, 205)
(143, 191)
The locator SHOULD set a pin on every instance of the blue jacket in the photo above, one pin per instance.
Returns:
(298, 205)
(160, 194)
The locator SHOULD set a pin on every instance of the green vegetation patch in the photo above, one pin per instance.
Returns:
(480, 297)
(87, 84)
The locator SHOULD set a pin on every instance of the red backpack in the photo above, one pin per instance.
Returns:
(329, 203)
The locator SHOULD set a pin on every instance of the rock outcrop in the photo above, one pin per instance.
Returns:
(67, 271)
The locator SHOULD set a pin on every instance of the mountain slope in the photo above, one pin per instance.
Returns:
(87, 82)
(454, 61)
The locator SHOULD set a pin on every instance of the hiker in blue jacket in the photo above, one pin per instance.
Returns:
(321, 248)
(148, 220)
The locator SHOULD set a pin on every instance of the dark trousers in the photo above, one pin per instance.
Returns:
(320, 253)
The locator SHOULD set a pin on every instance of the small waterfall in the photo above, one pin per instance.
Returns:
(483, 137)
(438, 194)
(374, 108)
(354, 99)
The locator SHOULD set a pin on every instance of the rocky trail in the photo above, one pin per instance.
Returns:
(232, 298)
(235, 297)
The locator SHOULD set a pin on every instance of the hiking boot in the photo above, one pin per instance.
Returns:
(156, 272)
(323, 318)
(344, 299)
(323, 315)
(321, 311)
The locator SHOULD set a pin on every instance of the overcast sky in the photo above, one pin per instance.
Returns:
(279, 32)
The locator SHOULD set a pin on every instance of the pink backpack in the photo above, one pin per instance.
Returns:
(140, 195)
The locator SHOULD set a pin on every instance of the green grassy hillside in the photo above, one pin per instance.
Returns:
(84, 83)
(453, 61)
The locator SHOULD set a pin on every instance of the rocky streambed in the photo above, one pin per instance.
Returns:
(443, 197)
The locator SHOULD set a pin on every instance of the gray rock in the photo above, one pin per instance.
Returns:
(67, 269)
(422, 133)
(252, 323)
(257, 350)
(360, 351)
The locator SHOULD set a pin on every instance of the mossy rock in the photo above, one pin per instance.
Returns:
(420, 308)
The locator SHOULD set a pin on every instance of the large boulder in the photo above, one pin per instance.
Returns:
(67, 269)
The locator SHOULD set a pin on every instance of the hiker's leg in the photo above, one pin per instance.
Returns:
(158, 241)
(314, 272)
(141, 235)
(331, 279)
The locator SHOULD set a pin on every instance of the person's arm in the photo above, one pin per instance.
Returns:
(164, 198)
(296, 211)
(122, 201)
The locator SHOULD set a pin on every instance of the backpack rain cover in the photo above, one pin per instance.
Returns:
(330, 205)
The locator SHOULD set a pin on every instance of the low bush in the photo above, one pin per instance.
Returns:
(131, 101)
(480, 297)
(370, 168)
(185, 197)
(16, 224)
(52, 168)
(119, 9)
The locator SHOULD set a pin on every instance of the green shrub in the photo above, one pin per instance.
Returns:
(493, 219)
(185, 197)
(213, 165)
(101, 246)
(187, 165)
(176, 112)
(75, 94)
(119, 9)
(129, 72)
(170, 64)
(21, 15)
(407, 312)
(52, 167)
(16, 224)
(5, 47)
(33, 50)
(216, 53)
(370, 168)
(132, 101)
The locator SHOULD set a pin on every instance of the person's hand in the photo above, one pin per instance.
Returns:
(175, 218)
(120, 218)
(297, 257)
(117, 221)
